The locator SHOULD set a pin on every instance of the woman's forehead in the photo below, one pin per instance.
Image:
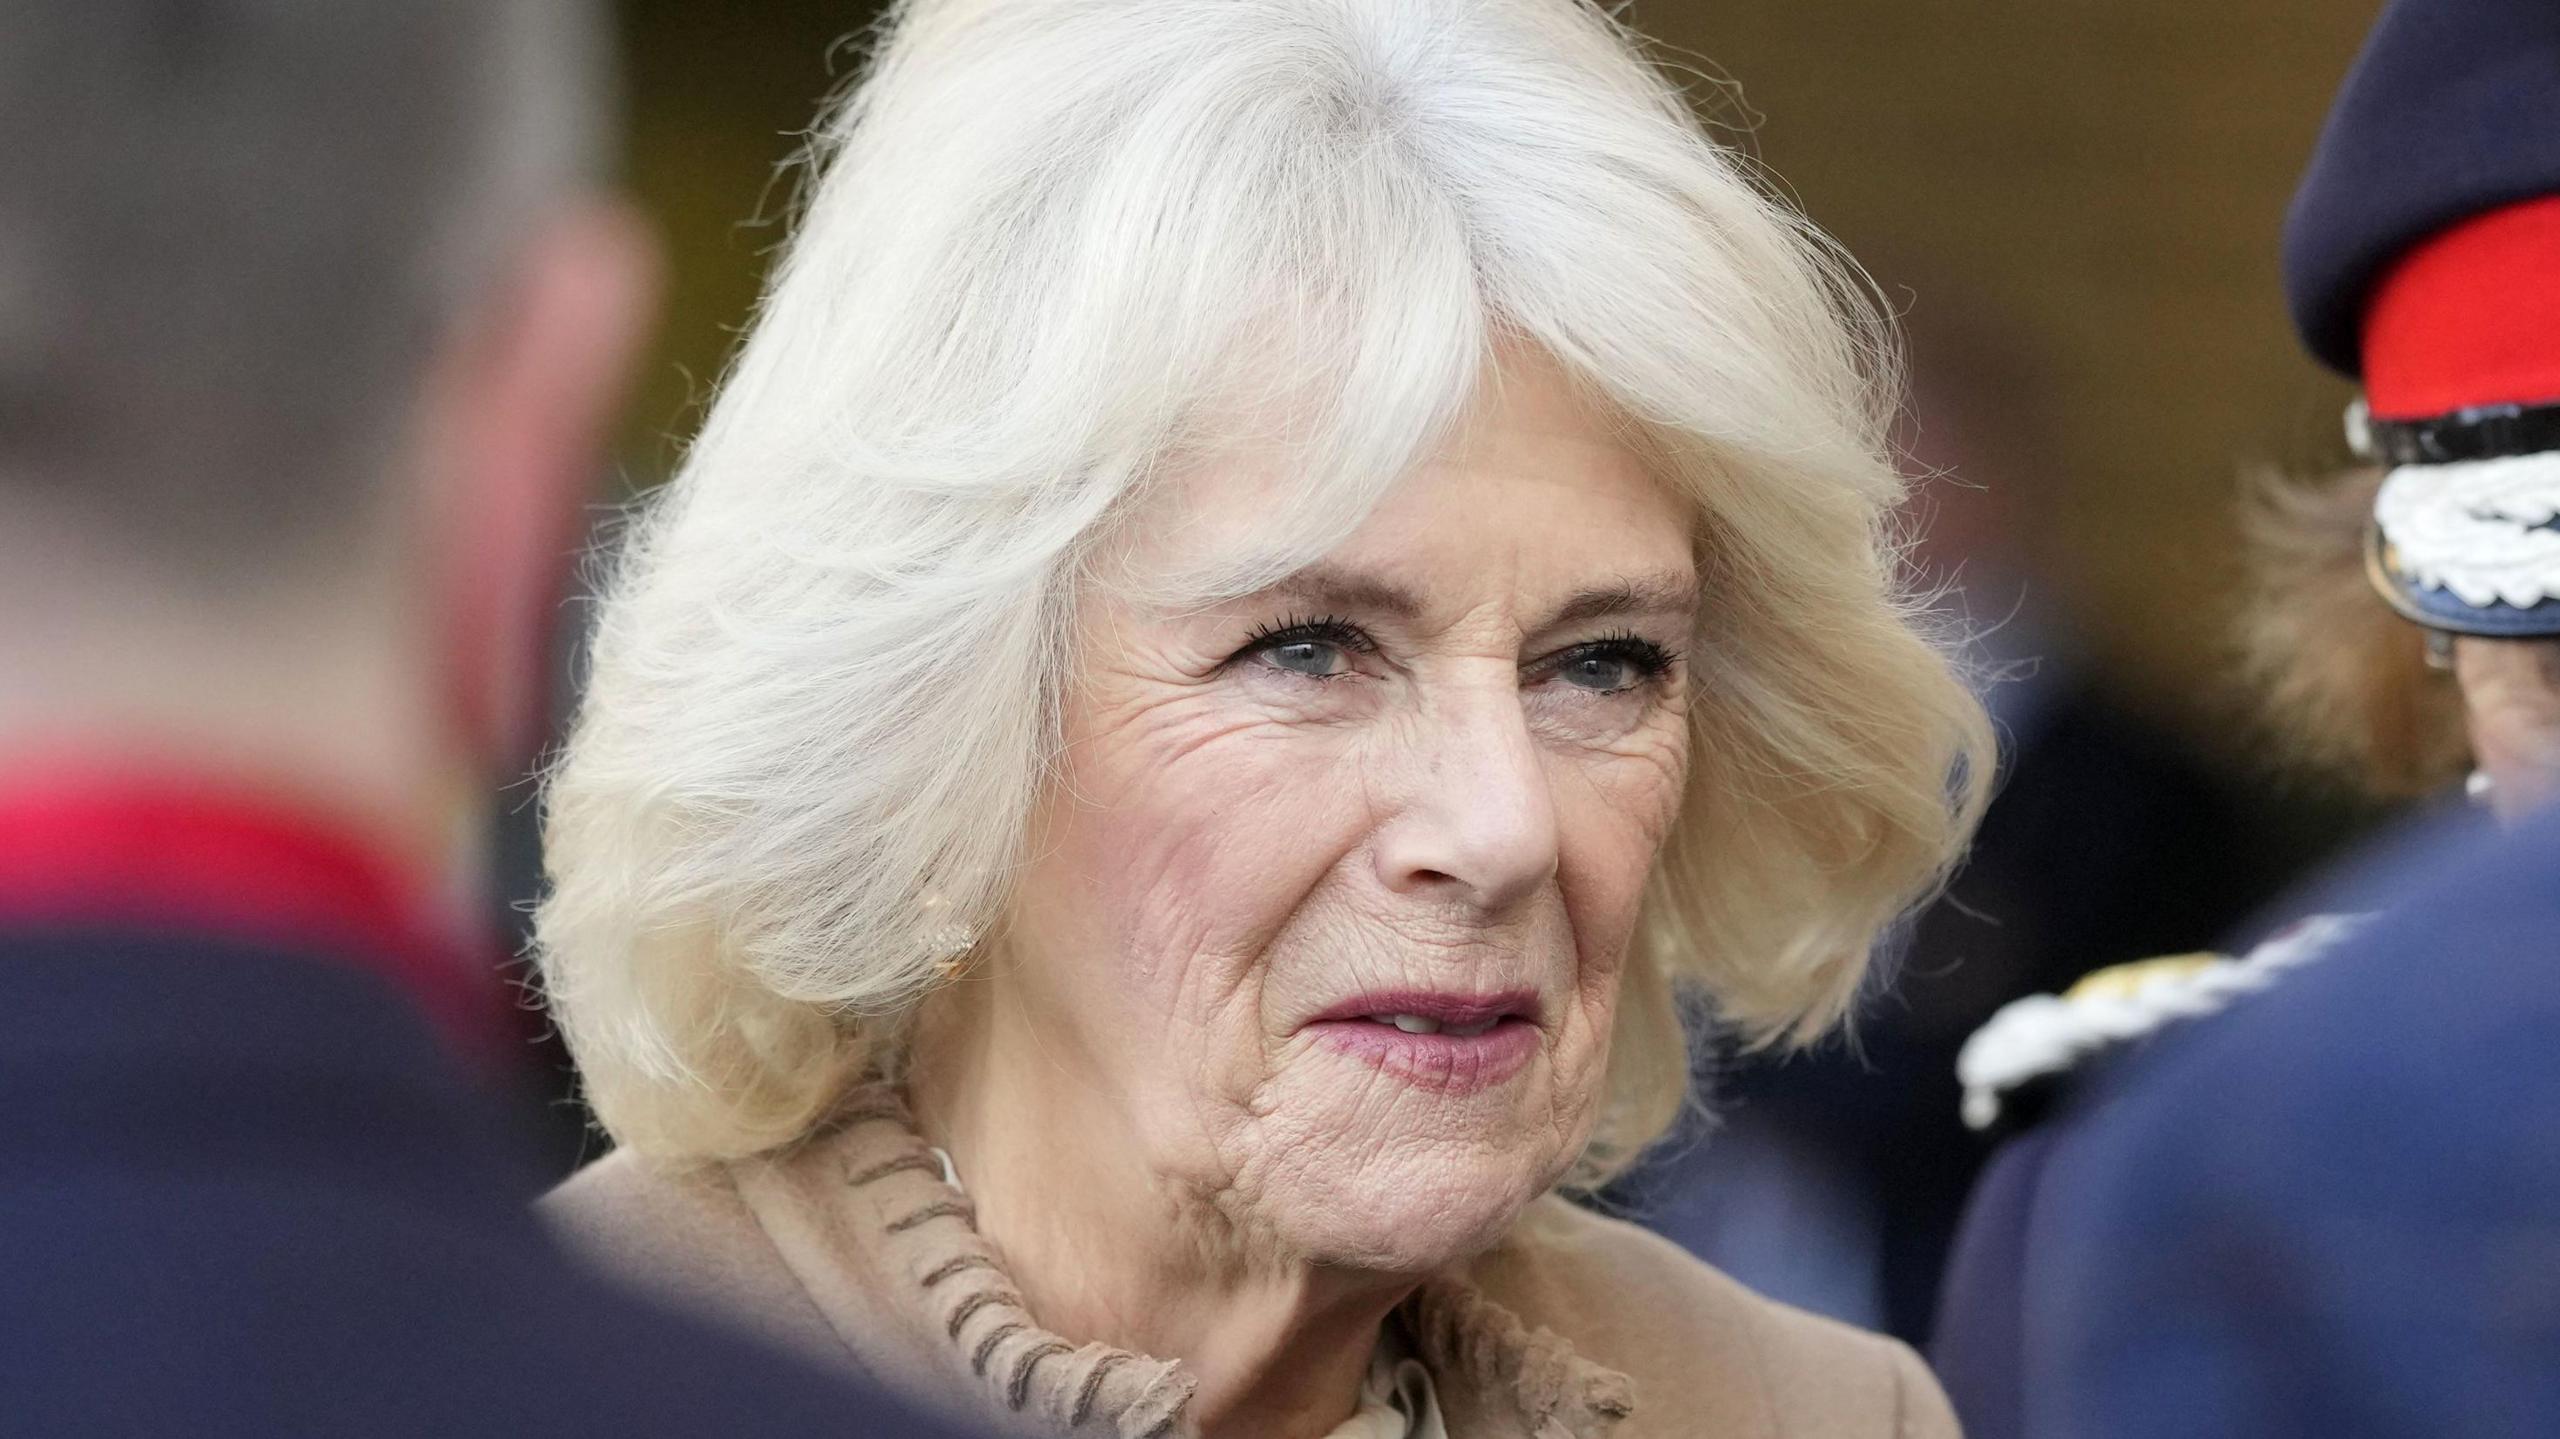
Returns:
(1534, 501)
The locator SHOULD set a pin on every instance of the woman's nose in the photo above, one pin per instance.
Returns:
(1473, 815)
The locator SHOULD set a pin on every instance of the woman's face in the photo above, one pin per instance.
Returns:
(1332, 889)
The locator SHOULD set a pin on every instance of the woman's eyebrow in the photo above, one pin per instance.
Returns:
(1325, 587)
(1321, 586)
(1656, 594)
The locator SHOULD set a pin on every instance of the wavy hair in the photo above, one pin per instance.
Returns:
(1055, 249)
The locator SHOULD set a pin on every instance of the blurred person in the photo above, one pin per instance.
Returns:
(2328, 1208)
(1836, 1179)
(1274, 584)
(311, 318)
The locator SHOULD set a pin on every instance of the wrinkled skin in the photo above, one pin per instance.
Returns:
(1461, 788)
(2511, 704)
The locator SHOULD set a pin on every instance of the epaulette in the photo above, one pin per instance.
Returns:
(2037, 1040)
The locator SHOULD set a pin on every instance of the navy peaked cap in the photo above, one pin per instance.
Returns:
(2453, 109)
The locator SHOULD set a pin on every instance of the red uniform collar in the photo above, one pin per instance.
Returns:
(200, 857)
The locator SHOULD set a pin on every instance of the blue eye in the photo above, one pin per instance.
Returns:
(1608, 666)
(1599, 671)
(1306, 657)
(1318, 648)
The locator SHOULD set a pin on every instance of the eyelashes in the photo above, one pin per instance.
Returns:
(1611, 665)
(1316, 649)
(1325, 629)
(1321, 648)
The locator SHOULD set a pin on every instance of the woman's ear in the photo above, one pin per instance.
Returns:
(517, 420)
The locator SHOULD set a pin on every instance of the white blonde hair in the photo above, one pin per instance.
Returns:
(1055, 248)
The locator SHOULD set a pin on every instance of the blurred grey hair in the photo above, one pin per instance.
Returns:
(231, 232)
(1059, 249)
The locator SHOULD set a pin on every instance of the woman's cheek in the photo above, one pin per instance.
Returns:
(1203, 828)
(1614, 831)
(1631, 796)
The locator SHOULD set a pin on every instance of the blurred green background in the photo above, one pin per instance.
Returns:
(2097, 187)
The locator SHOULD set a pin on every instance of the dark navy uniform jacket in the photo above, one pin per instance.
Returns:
(249, 1189)
(2333, 1209)
(2330, 1209)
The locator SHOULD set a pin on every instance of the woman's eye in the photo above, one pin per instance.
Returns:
(1612, 665)
(1318, 649)
(1599, 672)
(1318, 658)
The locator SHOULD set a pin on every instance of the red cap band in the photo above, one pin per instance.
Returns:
(2469, 317)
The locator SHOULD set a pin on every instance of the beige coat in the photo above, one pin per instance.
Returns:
(852, 1249)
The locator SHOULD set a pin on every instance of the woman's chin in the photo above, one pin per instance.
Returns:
(1355, 1170)
(1409, 1218)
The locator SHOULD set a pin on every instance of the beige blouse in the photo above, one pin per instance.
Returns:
(854, 1249)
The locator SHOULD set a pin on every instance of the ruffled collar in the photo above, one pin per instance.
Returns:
(870, 1195)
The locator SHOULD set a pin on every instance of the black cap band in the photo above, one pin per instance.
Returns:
(2489, 432)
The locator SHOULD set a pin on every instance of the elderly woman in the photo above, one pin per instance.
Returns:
(1277, 586)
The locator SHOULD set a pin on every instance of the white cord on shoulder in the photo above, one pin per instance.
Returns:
(2048, 1034)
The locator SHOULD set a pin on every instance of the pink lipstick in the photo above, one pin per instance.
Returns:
(1433, 1040)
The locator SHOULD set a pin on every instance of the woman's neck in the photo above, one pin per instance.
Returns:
(1103, 1250)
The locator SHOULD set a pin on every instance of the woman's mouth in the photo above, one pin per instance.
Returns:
(1444, 1043)
(1424, 1024)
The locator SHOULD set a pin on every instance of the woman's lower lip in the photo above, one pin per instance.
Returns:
(1443, 1063)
